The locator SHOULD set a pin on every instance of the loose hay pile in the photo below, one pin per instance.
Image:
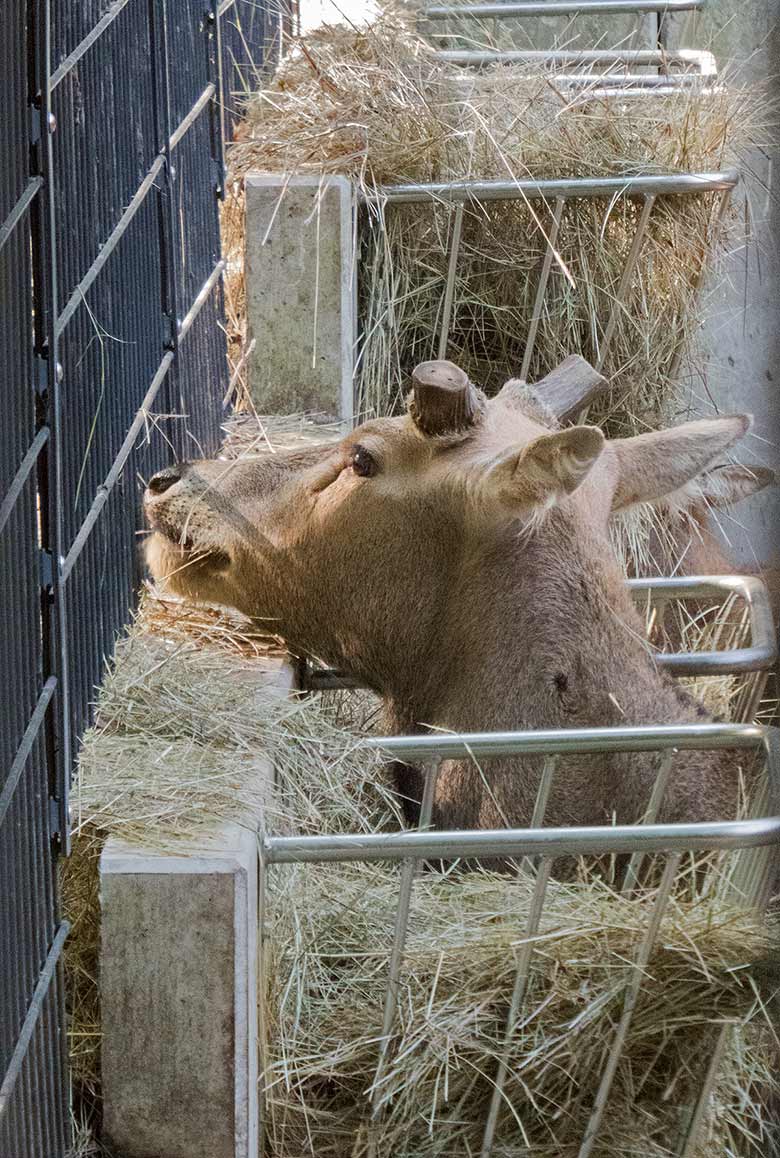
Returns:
(173, 748)
(377, 105)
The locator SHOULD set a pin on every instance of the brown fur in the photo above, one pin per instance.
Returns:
(470, 582)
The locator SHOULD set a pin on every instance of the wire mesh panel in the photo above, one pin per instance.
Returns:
(252, 34)
(114, 357)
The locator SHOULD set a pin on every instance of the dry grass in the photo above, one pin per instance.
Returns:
(330, 934)
(375, 104)
(185, 726)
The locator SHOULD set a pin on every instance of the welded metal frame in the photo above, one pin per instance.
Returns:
(758, 656)
(536, 848)
(553, 194)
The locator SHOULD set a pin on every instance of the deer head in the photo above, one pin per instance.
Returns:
(420, 551)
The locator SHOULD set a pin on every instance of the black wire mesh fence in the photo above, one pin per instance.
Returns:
(114, 362)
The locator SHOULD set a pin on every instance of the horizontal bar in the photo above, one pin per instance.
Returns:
(32, 1015)
(555, 8)
(26, 746)
(762, 653)
(19, 209)
(641, 57)
(110, 244)
(473, 190)
(646, 738)
(519, 842)
(760, 656)
(84, 45)
(20, 478)
(104, 490)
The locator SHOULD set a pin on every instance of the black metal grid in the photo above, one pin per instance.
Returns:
(253, 35)
(114, 362)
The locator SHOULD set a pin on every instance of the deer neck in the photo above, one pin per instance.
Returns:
(539, 633)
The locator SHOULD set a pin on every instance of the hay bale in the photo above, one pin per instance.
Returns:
(375, 104)
(329, 937)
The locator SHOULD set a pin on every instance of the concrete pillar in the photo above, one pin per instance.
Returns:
(300, 294)
(178, 982)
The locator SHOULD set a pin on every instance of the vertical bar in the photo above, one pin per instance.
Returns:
(262, 1026)
(625, 280)
(650, 816)
(218, 103)
(408, 871)
(158, 28)
(541, 289)
(691, 1137)
(449, 290)
(516, 1002)
(540, 805)
(629, 1004)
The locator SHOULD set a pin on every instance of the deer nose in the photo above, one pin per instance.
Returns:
(164, 479)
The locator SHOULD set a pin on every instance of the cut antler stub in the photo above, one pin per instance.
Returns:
(570, 387)
(444, 401)
(565, 391)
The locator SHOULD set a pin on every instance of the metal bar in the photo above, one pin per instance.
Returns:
(123, 224)
(650, 817)
(225, 6)
(473, 190)
(20, 478)
(25, 747)
(399, 939)
(19, 209)
(541, 289)
(692, 1133)
(219, 96)
(84, 46)
(704, 61)
(449, 290)
(33, 1013)
(555, 8)
(516, 1001)
(632, 994)
(761, 655)
(658, 737)
(625, 279)
(104, 490)
(520, 842)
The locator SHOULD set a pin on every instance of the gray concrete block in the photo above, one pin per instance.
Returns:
(178, 981)
(300, 295)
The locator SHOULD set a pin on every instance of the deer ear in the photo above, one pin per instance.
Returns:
(548, 469)
(723, 486)
(656, 465)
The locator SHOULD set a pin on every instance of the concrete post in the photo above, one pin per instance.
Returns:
(300, 294)
(178, 981)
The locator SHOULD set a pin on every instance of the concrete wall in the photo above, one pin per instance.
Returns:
(740, 339)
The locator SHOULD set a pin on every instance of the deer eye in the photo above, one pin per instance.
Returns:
(363, 463)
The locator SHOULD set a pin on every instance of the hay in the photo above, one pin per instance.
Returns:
(184, 725)
(329, 937)
(375, 104)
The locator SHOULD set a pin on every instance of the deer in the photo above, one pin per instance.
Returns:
(456, 560)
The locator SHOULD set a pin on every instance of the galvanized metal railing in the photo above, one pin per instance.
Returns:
(756, 658)
(554, 194)
(537, 848)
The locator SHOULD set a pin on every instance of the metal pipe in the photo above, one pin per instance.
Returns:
(408, 872)
(555, 8)
(541, 289)
(503, 190)
(659, 737)
(641, 58)
(449, 290)
(519, 842)
(650, 817)
(624, 285)
(632, 995)
(761, 655)
(516, 1001)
